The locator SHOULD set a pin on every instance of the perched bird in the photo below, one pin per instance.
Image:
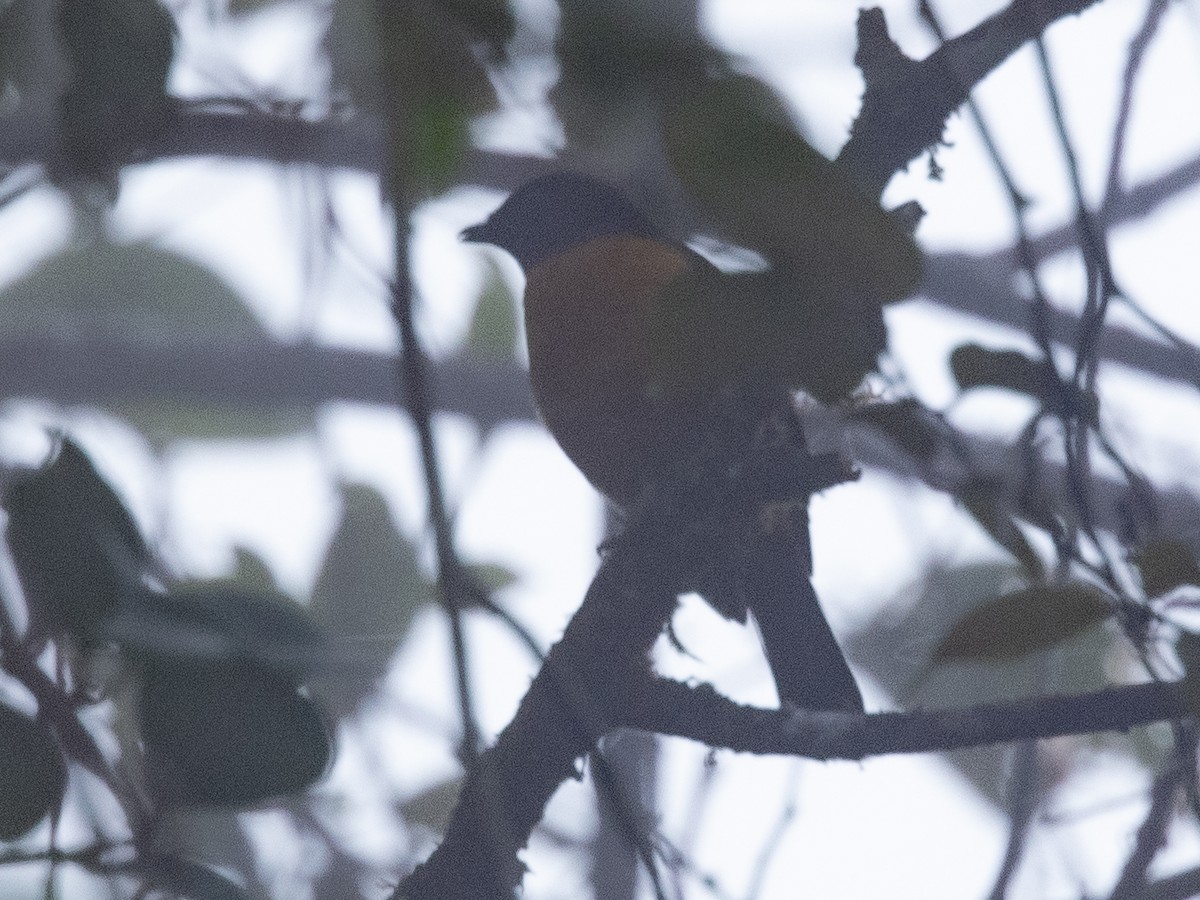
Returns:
(639, 349)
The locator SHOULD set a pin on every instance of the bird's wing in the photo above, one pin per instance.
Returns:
(711, 328)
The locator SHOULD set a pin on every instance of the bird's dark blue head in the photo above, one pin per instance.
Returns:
(555, 212)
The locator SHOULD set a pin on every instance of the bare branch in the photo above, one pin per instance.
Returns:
(701, 714)
(907, 103)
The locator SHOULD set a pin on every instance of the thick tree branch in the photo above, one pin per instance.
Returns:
(595, 679)
(258, 375)
(906, 103)
(586, 678)
(701, 714)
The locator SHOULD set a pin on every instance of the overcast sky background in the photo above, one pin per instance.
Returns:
(902, 827)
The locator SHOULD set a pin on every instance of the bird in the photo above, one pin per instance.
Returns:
(640, 349)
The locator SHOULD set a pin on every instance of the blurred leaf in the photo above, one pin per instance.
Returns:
(368, 589)
(1166, 563)
(976, 366)
(250, 570)
(1021, 622)
(353, 44)
(228, 734)
(193, 880)
(606, 49)
(122, 48)
(892, 647)
(493, 333)
(414, 64)
(120, 54)
(168, 419)
(210, 621)
(734, 146)
(137, 291)
(492, 577)
(33, 69)
(985, 500)
(433, 807)
(75, 546)
(32, 774)
(142, 294)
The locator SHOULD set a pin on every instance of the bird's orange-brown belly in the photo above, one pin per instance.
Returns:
(585, 316)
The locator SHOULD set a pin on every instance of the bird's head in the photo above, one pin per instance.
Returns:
(555, 212)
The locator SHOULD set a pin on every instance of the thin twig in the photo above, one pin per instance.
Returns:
(58, 710)
(450, 575)
(1023, 802)
(1153, 831)
(1137, 55)
(774, 841)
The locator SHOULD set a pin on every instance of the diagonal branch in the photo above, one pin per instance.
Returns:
(907, 103)
(595, 679)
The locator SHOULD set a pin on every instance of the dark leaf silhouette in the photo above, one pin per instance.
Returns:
(228, 734)
(32, 774)
(76, 548)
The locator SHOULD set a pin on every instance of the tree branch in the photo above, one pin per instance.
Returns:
(701, 714)
(586, 678)
(595, 679)
(907, 103)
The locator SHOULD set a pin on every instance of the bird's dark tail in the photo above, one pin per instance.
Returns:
(808, 665)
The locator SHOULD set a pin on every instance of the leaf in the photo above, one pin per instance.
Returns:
(32, 774)
(433, 807)
(974, 366)
(251, 571)
(493, 333)
(249, 7)
(211, 837)
(734, 146)
(1166, 563)
(489, 21)
(228, 734)
(1021, 622)
(141, 294)
(122, 48)
(414, 64)
(135, 291)
(216, 620)
(605, 50)
(492, 576)
(985, 500)
(75, 546)
(33, 69)
(120, 54)
(369, 588)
